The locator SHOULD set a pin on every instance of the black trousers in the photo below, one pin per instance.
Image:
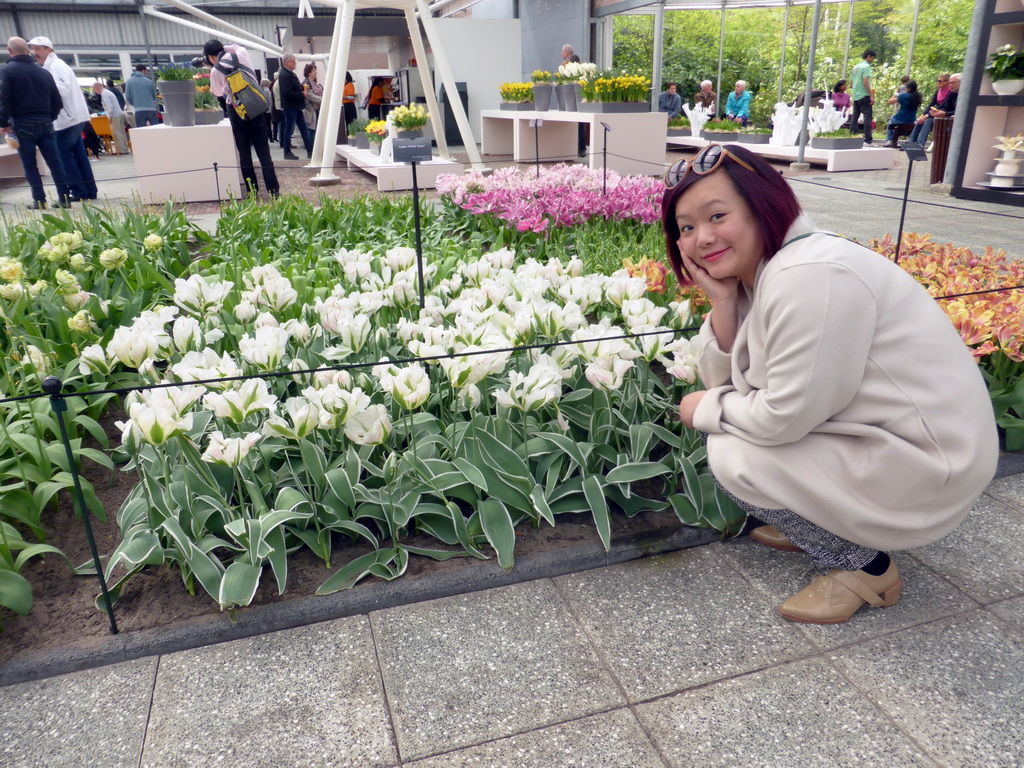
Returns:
(862, 107)
(253, 135)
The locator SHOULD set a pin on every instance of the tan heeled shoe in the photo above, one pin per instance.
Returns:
(834, 597)
(770, 537)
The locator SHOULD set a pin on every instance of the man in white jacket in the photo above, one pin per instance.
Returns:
(69, 123)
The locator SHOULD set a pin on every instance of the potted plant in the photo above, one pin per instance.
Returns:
(1005, 67)
(376, 131)
(754, 135)
(178, 94)
(542, 87)
(1007, 171)
(208, 109)
(568, 78)
(609, 92)
(841, 139)
(679, 126)
(516, 96)
(409, 120)
(721, 130)
(357, 132)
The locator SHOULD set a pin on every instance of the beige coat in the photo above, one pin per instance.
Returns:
(848, 398)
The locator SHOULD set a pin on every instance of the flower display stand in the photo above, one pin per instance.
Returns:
(1007, 173)
(159, 150)
(394, 177)
(875, 158)
(612, 107)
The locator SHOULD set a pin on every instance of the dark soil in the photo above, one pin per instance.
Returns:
(65, 613)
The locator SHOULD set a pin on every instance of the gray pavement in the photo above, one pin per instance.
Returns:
(676, 660)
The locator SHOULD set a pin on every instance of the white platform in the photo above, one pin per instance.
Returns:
(865, 159)
(10, 163)
(160, 149)
(635, 141)
(392, 177)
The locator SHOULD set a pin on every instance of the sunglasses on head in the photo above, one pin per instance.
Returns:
(703, 163)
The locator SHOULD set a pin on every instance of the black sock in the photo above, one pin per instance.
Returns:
(878, 566)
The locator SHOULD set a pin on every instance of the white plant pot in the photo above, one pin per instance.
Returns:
(1008, 87)
(1008, 168)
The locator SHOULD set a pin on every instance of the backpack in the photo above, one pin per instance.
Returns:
(247, 95)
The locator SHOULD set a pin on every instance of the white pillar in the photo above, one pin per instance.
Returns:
(913, 36)
(721, 45)
(423, 68)
(445, 71)
(849, 31)
(782, 58)
(238, 32)
(809, 85)
(341, 44)
(659, 37)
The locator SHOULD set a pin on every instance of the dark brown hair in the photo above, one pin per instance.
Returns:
(768, 195)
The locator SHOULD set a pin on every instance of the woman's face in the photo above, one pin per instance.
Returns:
(312, 74)
(717, 229)
(841, 88)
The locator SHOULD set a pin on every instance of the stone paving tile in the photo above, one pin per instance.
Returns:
(668, 623)
(794, 716)
(90, 719)
(1012, 612)
(471, 668)
(1009, 490)
(779, 575)
(301, 697)
(984, 556)
(610, 740)
(955, 686)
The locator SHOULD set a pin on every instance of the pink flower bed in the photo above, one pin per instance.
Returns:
(564, 195)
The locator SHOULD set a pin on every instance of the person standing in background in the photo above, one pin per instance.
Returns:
(249, 135)
(293, 101)
(314, 93)
(863, 95)
(29, 103)
(115, 114)
(140, 92)
(348, 99)
(69, 123)
(375, 101)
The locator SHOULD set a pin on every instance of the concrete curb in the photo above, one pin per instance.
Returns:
(373, 596)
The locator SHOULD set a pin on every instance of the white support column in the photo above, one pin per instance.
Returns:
(913, 37)
(659, 41)
(125, 61)
(263, 45)
(721, 46)
(341, 44)
(445, 71)
(423, 68)
(782, 58)
(849, 32)
(238, 32)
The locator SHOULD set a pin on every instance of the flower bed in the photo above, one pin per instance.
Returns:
(463, 445)
(565, 195)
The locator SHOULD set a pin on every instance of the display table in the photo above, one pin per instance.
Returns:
(635, 142)
(10, 163)
(865, 159)
(185, 156)
(392, 177)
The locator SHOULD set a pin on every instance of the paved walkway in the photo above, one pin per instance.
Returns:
(678, 660)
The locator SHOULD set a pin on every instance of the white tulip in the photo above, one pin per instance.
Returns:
(681, 315)
(541, 386)
(265, 348)
(229, 451)
(237, 405)
(207, 366)
(156, 424)
(370, 426)
(41, 361)
(608, 373)
(637, 312)
(133, 344)
(400, 258)
(684, 368)
(93, 360)
(613, 342)
(301, 331)
(411, 387)
(621, 287)
(198, 296)
(186, 334)
(303, 418)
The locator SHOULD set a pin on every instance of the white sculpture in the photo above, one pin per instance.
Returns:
(786, 125)
(387, 147)
(698, 116)
(826, 118)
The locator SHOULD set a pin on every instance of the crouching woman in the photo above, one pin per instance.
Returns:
(840, 405)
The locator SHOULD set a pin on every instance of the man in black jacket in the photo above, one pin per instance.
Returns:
(943, 104)
(29, 103)
(293, 101)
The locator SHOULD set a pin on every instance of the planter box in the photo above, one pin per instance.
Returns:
(209, 116)
(568, 96)
(375, 147)
(542, 96)
(516, 106)
(362, 141)
(415, 134)
(613, 107)
(179, 98)
(721, 136)
(838, 142)
(754, 138)
(679, 132)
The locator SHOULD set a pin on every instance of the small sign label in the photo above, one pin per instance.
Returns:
(412, 151)
(536, 122)
(914, 151)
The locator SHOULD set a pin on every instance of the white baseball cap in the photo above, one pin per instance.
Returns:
(41, 41)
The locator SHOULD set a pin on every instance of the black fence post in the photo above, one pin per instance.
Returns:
(52, 386)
